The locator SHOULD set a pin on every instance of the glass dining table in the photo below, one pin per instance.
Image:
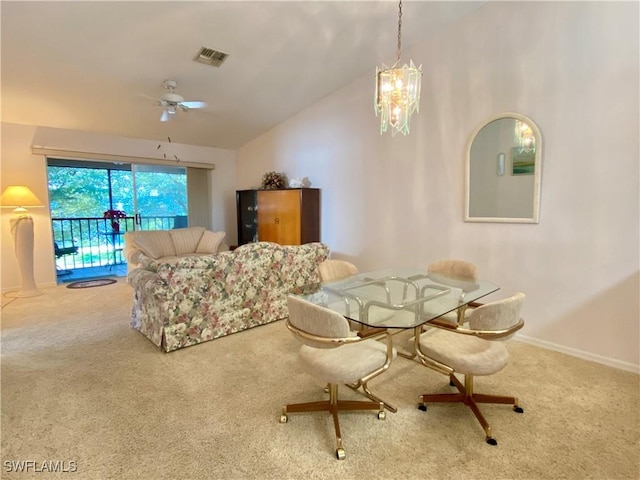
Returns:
(396, 298)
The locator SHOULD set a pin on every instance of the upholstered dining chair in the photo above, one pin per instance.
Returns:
(474, 351)
(458, 274)
(332, 269)
(335, 355)
(336, 269)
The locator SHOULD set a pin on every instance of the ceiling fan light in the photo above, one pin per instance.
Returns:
(172, 97)
(172, 102)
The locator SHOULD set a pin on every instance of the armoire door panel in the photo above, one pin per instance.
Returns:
(279, 216)
(246, 204)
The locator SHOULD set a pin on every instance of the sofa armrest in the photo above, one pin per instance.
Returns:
(133, 255)
(146, 282)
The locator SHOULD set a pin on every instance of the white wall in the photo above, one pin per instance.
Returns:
(570, 66)
(20, 166)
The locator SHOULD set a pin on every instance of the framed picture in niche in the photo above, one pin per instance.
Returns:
(523, 162)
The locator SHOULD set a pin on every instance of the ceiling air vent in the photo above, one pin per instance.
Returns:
(209, 56)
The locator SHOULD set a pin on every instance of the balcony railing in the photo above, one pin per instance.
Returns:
(98, 244)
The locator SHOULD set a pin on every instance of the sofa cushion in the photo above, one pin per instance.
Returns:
(210, 242)
(155, 243)
(185, 240)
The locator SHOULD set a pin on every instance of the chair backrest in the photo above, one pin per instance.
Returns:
(318, 321)
(336, 269)
(455, 273)
(498, 315)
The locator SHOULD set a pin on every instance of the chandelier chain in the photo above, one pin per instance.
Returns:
(399, 28)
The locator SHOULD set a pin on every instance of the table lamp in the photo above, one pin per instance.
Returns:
(18, 197)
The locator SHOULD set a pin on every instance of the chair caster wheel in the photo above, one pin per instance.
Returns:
(382, 415)
(340, 455)
(283, 418)
(422, 406)
(518, 409)
(492, 441)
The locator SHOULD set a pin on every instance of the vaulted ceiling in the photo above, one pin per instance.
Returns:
(99, 66)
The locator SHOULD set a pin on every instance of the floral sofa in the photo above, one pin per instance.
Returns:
(194, 299)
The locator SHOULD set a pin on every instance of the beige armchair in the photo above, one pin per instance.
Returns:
(474, 351)
(335, 355)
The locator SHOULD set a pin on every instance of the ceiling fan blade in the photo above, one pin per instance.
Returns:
(165, 116)
(193, 104)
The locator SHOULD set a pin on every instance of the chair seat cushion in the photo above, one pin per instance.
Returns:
(466, 354)
(345, 364)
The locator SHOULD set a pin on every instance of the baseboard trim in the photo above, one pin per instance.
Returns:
(40, 286)
(574, 352)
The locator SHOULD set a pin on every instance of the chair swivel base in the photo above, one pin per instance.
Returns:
(471, 400)
(367, 393)
(333, 405)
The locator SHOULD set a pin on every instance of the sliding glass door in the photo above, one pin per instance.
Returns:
(94, 203)
(160, 197)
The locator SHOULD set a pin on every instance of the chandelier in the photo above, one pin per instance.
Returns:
(397, 91)
(524, 138)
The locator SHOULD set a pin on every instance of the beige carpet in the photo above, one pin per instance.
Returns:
(78, 384)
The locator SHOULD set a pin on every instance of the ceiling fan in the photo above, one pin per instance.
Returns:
(172, 102)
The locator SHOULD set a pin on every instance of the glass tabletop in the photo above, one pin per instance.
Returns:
(394, 297)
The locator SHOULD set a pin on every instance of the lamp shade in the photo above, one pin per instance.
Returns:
(19, 196)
